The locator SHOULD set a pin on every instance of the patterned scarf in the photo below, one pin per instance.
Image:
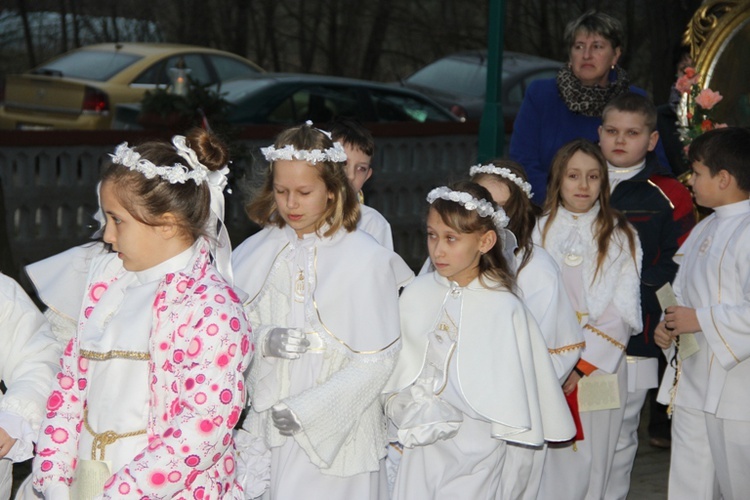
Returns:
(589, 101)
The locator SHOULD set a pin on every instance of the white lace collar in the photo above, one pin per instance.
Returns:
(570, 241)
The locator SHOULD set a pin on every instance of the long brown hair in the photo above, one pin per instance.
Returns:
(608, 220)
(519, 207)
(342, 209)
(147, 200)
(491, 264)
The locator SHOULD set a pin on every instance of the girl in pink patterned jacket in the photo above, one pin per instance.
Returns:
(152, 383)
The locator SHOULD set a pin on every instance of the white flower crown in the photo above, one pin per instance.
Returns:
(502, 172)
(335, 154)
(221, 246)
(174, 174)
(483, 207)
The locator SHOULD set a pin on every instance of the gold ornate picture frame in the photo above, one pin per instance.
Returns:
(719, 40)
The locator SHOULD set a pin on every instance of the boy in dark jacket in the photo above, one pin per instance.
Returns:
(641, 189)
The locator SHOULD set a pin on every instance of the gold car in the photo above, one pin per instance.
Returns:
(80, 89)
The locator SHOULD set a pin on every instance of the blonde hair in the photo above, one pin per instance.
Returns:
(608, 220)
(343, 207)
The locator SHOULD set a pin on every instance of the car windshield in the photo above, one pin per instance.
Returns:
(453, 76)
(94, 65)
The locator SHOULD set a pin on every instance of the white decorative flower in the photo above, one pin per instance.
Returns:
(335, 154)
(483, 207)
(500, 218)
(174, 174)
(502, 172)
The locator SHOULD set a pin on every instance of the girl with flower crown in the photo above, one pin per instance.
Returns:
(324, 304)
(152, 383)
(599, 255)
(541, 288)
(474, 372)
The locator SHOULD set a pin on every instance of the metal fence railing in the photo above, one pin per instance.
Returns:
(49, 181)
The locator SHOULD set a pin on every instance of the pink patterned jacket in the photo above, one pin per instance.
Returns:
(200, 346)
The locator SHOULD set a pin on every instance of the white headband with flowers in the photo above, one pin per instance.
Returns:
(174, 174)
(502, 172)
(178, 173)
(483, 207)
(335, 154)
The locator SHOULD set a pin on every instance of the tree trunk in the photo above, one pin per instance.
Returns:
(374, 48)
(63, 25)
(27, 32)
(239, 40)
(115, 31)
(74, 16)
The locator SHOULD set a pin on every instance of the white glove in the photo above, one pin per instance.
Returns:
(285, 420)
(286, 343)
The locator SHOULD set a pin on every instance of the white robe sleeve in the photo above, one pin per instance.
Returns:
(29, 354)
(373, 223)
(331, 411)
(606, 340)
(19, 429)
(727, 326)
(544, 295)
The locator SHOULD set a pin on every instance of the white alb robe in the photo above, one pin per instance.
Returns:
(500, 377)
(714, 279)
(29, 355)
(343, 292)
(542, 291)
(609, 312)
(373, 223)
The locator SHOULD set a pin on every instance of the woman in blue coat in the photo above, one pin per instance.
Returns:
(557, 110)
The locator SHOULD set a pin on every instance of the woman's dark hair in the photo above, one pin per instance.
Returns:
(491, 264)
(147, 200)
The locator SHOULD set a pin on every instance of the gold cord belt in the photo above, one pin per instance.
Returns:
(104, 439)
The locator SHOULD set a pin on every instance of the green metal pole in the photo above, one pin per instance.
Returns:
(492, 126)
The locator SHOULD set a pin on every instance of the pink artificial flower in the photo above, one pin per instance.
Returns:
(688, 79)
(707, 99)
(683, 84)
(720, 125)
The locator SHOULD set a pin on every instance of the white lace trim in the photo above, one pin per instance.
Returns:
(502, 172)
(618, 279)
(30, 411)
